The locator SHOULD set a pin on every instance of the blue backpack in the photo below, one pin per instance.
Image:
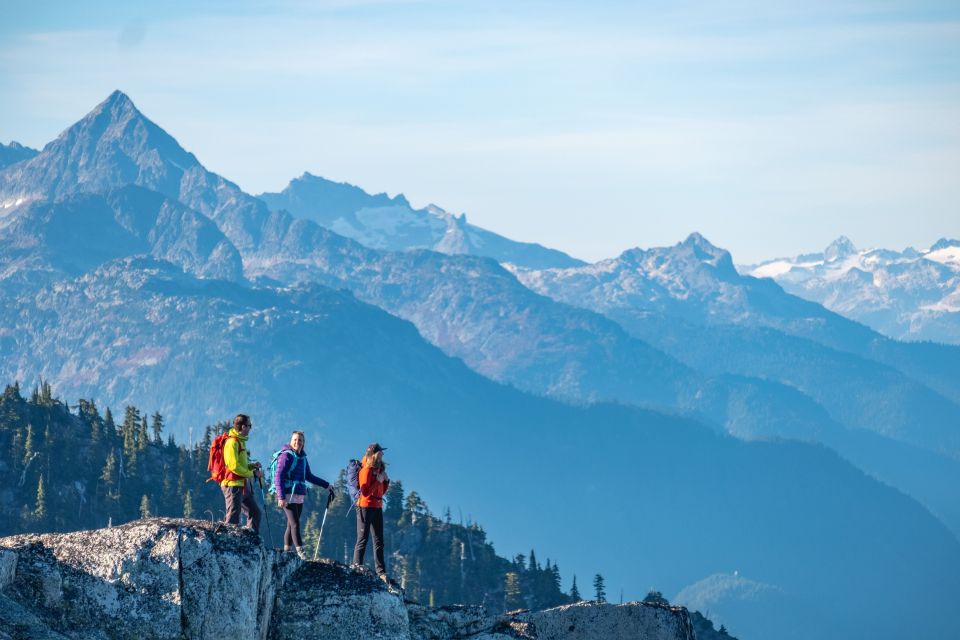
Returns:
(353, 479)
(288, 485)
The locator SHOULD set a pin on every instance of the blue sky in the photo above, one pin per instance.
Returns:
(770, 127)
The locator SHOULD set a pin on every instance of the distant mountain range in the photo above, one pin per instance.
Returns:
(908, 295)
(130, 273)
(381, 222)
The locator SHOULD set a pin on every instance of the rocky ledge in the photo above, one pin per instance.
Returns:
(169, 578)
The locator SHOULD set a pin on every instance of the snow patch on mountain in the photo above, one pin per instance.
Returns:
(909, 295)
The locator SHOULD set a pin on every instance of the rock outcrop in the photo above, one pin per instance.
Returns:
(167, 578)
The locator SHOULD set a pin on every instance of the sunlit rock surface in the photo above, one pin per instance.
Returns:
(172, 578)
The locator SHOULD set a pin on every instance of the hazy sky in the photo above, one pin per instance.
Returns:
(770, 127)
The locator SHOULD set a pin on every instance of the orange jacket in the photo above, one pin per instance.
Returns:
(372, 489)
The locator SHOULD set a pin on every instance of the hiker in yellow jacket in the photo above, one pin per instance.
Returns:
(236, 494)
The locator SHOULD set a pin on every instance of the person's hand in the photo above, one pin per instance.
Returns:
(282, 503)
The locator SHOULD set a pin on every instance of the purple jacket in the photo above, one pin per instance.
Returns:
(293, 471)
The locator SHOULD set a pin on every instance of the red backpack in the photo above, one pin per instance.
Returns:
(216, 466)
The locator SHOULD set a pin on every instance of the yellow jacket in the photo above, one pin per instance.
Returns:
(236, 460)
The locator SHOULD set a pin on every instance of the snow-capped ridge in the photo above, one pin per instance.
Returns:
(908, 295)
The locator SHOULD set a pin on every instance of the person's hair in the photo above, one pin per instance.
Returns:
(241, 420)
(374, 460)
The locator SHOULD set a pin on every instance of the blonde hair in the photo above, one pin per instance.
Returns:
(374, 460)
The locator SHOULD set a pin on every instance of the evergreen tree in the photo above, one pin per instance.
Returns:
(533, 566)
(143, 435)
(393, 510)
(512, 597)
(600, 593)
(555, 577)
(109, 473)
(131, 421)
(109, 426)
(574, 592)
(144, 507)
(157, 427)
(40, 510)
(188, 504)
(723, 631)
(655, 597)
(28, 445)
(414, 508)
(88, 412)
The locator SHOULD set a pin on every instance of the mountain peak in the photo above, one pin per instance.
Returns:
(839, 248)
(118, 105)
(708, 253)
(697, 240)
(118, 98)
(944, 243)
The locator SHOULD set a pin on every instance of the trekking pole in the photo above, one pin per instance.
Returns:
(266, 516)
(323, 522)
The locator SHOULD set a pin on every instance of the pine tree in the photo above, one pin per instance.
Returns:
(143, 435)
(144, 507)
(414, 508)
(40, 510)
(109, 426)
(131, 420)
(600, 593)
(555, 578)
(574, 592)
(157, 427)
(28, 445)
(393, 510)
(109, 473)
(188, 504)
(723, 631)
(533, 566)
(512, 597)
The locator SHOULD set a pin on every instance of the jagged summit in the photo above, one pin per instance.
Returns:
(113, 145)
(839, 249)
(944, 243)
(117, 100)
(14, 152)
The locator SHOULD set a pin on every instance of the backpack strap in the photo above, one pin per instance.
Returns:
(293, 483)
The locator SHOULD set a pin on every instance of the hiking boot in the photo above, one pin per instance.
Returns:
(386, 580)
(301, 553)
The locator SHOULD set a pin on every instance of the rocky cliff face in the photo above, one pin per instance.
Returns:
(167, 578)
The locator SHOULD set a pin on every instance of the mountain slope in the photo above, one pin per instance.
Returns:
(689, 301)
(380, 222)
(349, 373)
(42, 240)
(907, 295)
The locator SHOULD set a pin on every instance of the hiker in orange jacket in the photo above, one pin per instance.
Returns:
(374, 483)
(239, 470)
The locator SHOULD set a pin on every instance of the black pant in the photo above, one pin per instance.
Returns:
(239, 500)
(291, 537)
(368, 517)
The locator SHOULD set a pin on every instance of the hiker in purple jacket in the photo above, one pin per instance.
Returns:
(290, 480)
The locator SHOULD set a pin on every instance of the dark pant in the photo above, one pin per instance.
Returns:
(239, 500)
(367, 518)
(291, 537)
